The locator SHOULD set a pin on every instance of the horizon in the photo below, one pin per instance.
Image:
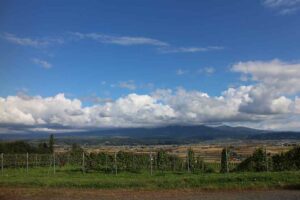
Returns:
(114, 64)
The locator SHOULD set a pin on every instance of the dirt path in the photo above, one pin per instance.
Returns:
(93, 194)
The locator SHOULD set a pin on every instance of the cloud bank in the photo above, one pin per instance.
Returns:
(270, 101)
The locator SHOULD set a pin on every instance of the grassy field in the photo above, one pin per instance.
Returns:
(71, 178)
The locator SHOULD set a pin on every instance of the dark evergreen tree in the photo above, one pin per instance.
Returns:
(224, 161)
(259, 160)
(51, 143)
(43, 148)
(190, 159)
(161, 160)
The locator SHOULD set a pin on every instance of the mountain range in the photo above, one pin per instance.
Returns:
(158, 135)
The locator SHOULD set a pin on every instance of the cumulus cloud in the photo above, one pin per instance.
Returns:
(282, 77)
(270, 102)
(132, 110)
(163, 107)
(274, 80)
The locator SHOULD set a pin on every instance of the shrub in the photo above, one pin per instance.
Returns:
(287, 161)
(257, 162)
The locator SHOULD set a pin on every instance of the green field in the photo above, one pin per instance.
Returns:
(74, 178)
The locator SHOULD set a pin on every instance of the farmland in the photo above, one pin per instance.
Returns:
(210, 152)
(95, 172)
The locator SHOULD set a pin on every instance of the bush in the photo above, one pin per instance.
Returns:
(287, 161)
(257, 162)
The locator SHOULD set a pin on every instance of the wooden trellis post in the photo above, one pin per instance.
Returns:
(2, 155)
(266, 159)
(133, 164)
(27, 162)
(116, 167)
(106, 161)
(16, 161)
(188, 162)
(173, 163)
(227, 166)
(35, 160)
(54, 170)
(151, 159)
(83, 162)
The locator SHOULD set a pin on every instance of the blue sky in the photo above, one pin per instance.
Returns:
(110, 49)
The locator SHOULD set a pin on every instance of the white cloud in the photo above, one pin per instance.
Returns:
(279, 3)
(130, 85)
(163, 47)
(283, 7)
(43, 63)
(189, 49)
(162, 107)
(278, 76)
(129, 111)
(180, 72)
(271, 102)
(119, 40)
(206, 70)
(26, 41)
(275, 79)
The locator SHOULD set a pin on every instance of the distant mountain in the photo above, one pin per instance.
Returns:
(240, 129)
(158, 135)
(285, 135)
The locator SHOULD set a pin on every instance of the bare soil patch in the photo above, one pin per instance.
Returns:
(11, 193)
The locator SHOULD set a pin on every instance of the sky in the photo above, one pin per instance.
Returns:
(81, 65)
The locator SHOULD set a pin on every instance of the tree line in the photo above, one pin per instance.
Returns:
(261, 161)
(19, 147)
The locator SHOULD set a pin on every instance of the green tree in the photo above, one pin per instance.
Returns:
(51, 143)
(17, 147)
(43, 148)
(287, 161)
(258, 162)
(190, 159)
(161, 160)
(224, 161)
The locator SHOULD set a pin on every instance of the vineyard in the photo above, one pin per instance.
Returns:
(111, 163)
(150, 170)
